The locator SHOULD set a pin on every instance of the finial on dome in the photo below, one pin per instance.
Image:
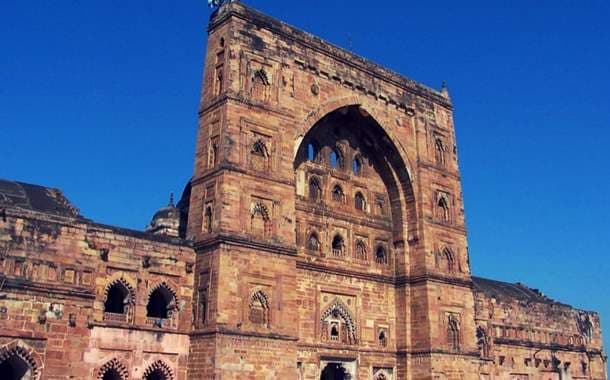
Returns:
(444, 89)
(166, 221)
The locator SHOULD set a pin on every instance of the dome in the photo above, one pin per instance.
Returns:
(166, 220)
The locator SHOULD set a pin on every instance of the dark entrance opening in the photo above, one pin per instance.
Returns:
(156, 375)
(160, 303)
(112, 374)
(116, 299)
(334, 371)
(14, 368)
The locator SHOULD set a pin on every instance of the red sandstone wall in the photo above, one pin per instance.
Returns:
(539, 339)
(304, 80)
(54, 281)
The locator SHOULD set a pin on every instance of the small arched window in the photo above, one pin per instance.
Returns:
(360, 252)
(118, 298)
(207, 226)
(313, 152)
(218, 86)
(315, 190)
(261, 220)
(380, 207)
(381, 256)
(453, 333)
(334, 331)
(258, 312)
(450, 260)
(483, 342)
(357, 166)
(439, 152)
(442, 209)
(336, 159)
(359, 202)
(337, 324)
(337, 194)
(382, 338)
(213, 152)
(260, 84)
(313, 243)
(338, 246)
(161, 303)
(259, 156)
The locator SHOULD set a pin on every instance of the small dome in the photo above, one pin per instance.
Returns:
(166, 221)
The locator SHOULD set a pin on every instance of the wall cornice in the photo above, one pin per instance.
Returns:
(347, 58)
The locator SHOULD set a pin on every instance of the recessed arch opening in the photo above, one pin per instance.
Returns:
(336, 159)
(161, 303)
(369, 151)
(119, 297)
(338, 245)
(313, 242)
(15, 367)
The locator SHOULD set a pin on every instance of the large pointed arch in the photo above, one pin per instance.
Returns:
(394, 165)
(324, 109)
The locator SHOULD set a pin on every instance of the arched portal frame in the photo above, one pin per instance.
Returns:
(402, 202)
(162, 305)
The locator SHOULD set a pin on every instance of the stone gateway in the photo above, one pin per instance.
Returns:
(321, 237)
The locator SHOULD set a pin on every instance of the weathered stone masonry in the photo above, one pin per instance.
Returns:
(322, 236)
(60, 276)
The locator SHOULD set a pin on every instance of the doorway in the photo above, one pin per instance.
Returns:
(335, 371)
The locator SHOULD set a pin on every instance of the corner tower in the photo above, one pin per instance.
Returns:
(327, 215)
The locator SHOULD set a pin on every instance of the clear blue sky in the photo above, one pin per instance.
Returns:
(99, 98)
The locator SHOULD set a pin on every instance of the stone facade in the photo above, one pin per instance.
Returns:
(322, 236)
(80, 300)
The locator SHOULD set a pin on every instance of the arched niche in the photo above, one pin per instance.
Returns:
(365, 141)
(161, 302)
